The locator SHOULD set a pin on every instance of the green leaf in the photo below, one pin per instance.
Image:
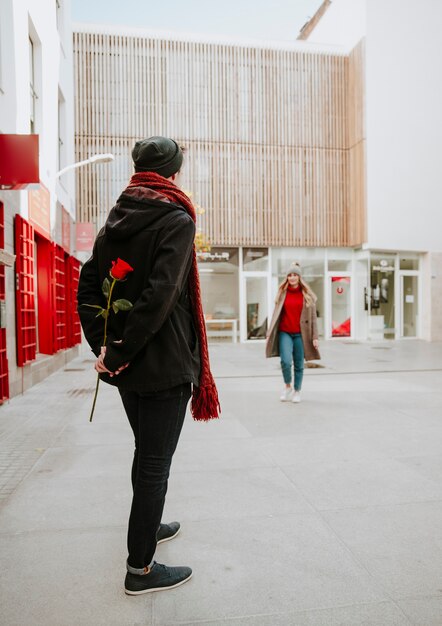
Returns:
(104, 313)
(122, 304)
(115, 308)
(106, 287)
(94, 306)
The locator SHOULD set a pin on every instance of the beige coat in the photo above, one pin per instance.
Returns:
(309, 330)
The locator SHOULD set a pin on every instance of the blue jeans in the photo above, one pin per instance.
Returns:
(156, 420)
(291, 349)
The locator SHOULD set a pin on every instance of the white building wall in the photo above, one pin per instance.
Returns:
(19, 19)
(403, 100)
(8, 73)
(404, 133)
(54, 72)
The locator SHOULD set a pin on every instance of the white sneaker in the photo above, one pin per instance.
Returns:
(296, 397)
(286, 395)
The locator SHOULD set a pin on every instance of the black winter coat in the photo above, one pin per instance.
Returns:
(158, 335)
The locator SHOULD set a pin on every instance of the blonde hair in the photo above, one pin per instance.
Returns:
(309, 295)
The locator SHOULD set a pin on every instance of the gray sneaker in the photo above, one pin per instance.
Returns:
(160, 578)
(166, 532)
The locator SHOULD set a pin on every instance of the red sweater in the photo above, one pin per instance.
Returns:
(290, 320)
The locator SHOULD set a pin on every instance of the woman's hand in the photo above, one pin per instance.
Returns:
(315, 344)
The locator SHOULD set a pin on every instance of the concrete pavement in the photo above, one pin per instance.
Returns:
(324, 513)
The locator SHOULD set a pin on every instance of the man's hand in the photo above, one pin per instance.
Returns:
(102, 369)
(315, 344)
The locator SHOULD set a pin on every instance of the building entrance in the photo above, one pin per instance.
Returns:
(409, 323)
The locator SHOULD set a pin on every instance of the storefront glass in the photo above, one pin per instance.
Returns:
(409, 303)
(256, 306)
(360, 294)
(408, 262)
(218, 271)
(255, 259)
(360, 284)
(340, 306)
(312, 262)
(380, 300)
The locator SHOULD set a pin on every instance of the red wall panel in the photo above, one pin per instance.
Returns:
(4, 367)
(59, 312)
(74, 328)
(26, 334)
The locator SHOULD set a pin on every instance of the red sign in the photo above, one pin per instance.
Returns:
(40, 210)
(85, 236)
(65, 229)
(18, 160)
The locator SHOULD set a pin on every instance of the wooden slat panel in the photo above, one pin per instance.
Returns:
(274, 138)
(356, 189)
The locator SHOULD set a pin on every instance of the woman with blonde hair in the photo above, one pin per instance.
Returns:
(293, 332)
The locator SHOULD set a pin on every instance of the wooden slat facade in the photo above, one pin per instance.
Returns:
(274, 138)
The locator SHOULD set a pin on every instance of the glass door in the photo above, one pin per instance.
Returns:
(256, 306)
(340, 305)
(409, 305)
(381, 295)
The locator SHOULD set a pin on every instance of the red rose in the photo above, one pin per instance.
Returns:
(120, 269)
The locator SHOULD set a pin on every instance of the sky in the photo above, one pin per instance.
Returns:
(263, 20)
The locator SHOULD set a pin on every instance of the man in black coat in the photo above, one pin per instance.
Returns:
(152, 350)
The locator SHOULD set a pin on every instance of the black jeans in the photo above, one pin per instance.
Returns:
(156, 420)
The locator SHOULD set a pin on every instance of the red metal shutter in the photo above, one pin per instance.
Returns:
(74, 327)
(59, 282)
(4, 367)
(45, 288)
(25, 292)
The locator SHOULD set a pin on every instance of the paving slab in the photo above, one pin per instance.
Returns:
(324, 513)
(351, 484)
(264, 565)
(65, 503)
(423, 611)
(233, 494)
(68, 578)
(384, 613)
(401, 546)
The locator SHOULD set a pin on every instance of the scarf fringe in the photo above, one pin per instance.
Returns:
(205, 403)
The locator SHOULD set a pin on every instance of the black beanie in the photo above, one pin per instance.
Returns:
(157, 154)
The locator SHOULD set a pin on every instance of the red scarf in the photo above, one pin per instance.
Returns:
(205, 404)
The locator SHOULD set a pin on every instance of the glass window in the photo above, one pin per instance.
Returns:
(341, 306)
(409, 262)
(339, 265)
(33, 93)
(360, 286)
(255, 259)
(339, 260)
(380, 296)
(61, 130)
(218, 271)
(282, 258)
(313, 275)
(311, 261)
(256, 300)
(409, 306)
